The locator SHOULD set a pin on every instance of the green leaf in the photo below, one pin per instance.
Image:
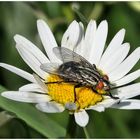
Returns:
(53, 9)
(96, 12)
(13, 13)
(4, 118)
(80, 15)
(40, 121)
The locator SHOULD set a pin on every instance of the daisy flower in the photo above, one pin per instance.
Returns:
(112, 62)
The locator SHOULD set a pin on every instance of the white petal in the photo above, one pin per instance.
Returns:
(128, 78)
(72, 36)
(31, 87)
(112, 47)
(31, 48)
(98, 43)
(99, 108)
(127, 104)
(31, 60)
(107, 102)
(47, 39)
(18, 71)
(50, 107)
(40, 83)
(116, 58)
(89, 39)
(78, 49)
(125, 66)
(128, 91)
(26, 96)
(81, 118)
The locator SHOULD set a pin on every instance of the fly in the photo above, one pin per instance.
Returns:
(77, 70)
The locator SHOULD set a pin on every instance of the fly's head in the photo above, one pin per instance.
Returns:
(103, 85)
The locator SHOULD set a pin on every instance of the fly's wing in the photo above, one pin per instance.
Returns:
(66, 55)
(52, 68)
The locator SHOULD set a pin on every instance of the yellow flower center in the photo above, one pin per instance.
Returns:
(63, 93)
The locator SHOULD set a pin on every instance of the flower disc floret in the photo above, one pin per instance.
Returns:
(64, 93)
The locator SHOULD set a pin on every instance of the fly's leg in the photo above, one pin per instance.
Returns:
(113, 96)
(76, 86)
(94, 91)
(57, 82)
(109, 94)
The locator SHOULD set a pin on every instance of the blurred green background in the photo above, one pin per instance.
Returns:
(19, 120)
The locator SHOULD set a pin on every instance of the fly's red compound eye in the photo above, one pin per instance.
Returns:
(100, 85)
(105, 77)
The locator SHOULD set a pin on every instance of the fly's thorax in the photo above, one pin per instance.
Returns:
(67, 69)
(68, 66)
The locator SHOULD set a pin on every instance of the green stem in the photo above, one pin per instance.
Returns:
(71, 129)
(86, 133)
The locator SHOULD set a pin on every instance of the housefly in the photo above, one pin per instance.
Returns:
(77, 70)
